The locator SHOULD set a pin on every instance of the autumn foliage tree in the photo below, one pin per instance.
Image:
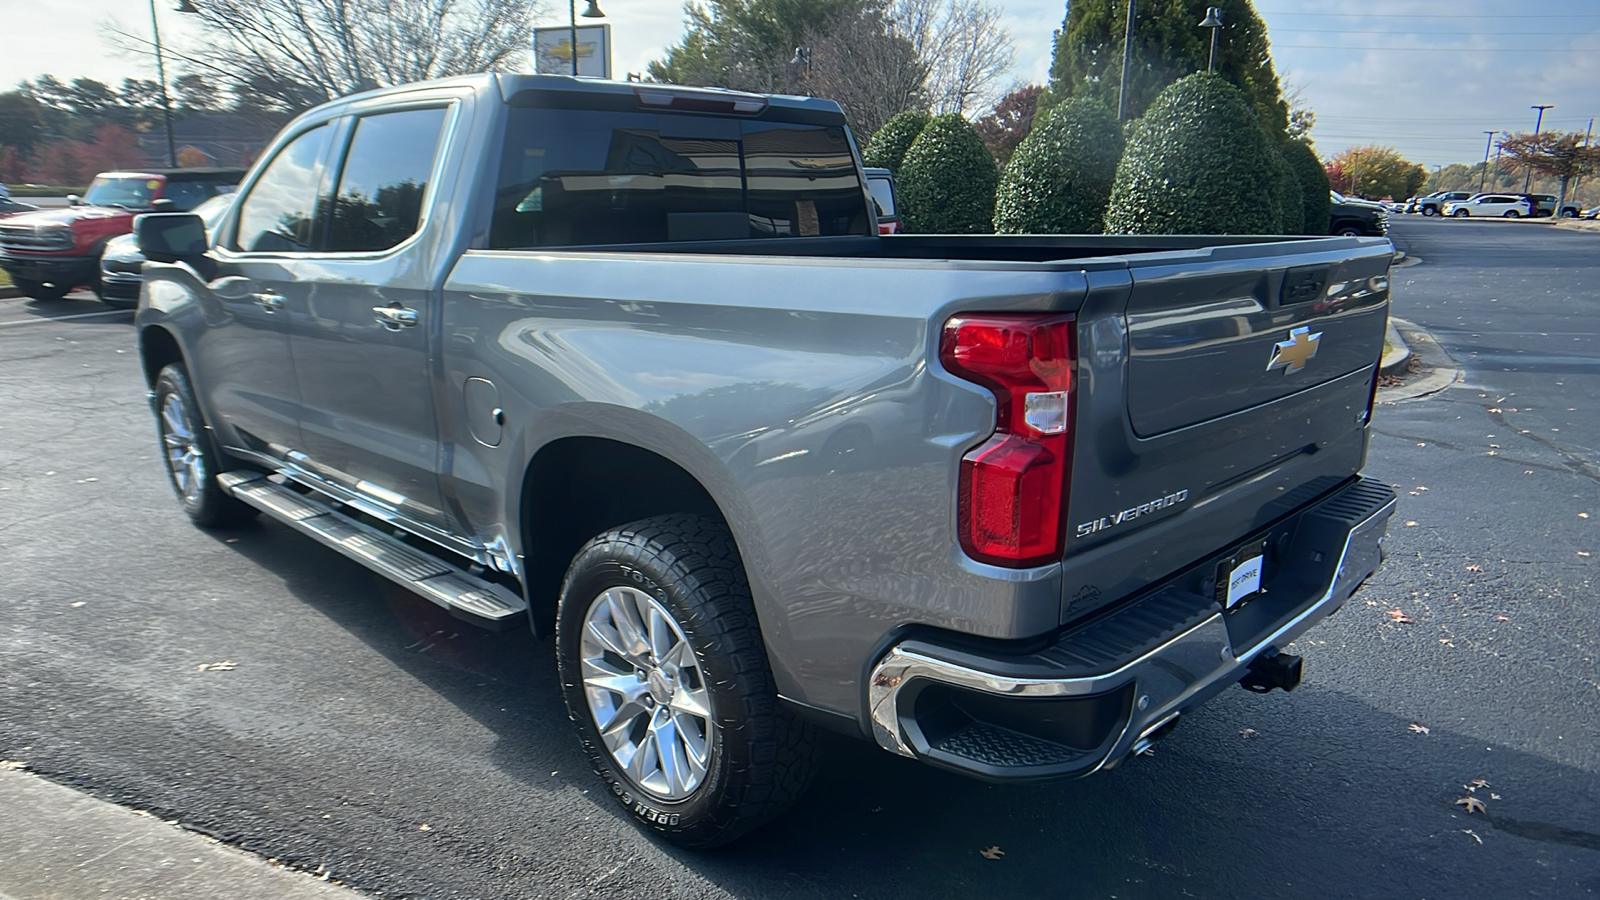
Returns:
(1375, 172)
(1010, 121)
(1562, 156)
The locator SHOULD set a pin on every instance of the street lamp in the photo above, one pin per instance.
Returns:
(1537, 124)
(1484, 181)
(592, 12)
(1213, 21)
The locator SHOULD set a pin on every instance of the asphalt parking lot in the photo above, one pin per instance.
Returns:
(360, 731)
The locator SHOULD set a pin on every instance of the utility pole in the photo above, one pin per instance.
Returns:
(1538, 123)
(1484, 181)
(1127, 63)
(1578, 182)
(166, 101)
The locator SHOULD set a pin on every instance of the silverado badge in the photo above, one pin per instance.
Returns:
(1293, 354)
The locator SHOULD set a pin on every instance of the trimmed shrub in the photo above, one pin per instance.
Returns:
(1314, 185)
(947, 181)
(887, 149)
(1290, 200)
(1199, 163)
(1059, 180)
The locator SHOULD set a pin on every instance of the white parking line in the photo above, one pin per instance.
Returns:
(109, 312)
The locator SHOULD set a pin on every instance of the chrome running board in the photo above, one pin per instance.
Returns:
(466, 596)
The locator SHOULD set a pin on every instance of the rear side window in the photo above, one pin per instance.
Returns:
(276, 216)
(378, 202)
(581, 177)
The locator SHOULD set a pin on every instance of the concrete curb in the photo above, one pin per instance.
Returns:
(1398, 356)
(1442, 370)
(60, 843)
(8, 292)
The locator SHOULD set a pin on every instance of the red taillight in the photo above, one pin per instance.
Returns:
(1014, 487)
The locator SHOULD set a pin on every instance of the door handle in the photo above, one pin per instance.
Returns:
(269, 301)
(395, 317)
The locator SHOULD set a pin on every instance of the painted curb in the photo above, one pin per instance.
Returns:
(1398, 356)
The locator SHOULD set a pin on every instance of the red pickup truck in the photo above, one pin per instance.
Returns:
(52, 251)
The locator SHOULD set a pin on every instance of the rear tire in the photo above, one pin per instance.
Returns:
(666, 679)
(1511, 214)
(38, 290)
(191, 455)
(1460, 214)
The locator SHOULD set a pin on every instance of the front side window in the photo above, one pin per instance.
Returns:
(277, 215)
(584, 177)
(378, 202)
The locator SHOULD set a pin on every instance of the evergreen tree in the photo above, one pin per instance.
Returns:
(1314, 185)
(1289, 199)
(1060, 179)
(888, 147)
(1168, 44)
(1199, 163)
(947, 180)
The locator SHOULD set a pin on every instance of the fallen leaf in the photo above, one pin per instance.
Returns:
(1419, 729)
(1502, 618)
(1421, 488)
(424, 827)
(12, 765)
(232, 541)
(226, 665)
(1474, 568)
(77, 603)
(1447, 642)
(1476, 783)
(991, 853)
(1583, 515)
(1472, 834)
(1411, 523)
(1583, 553)
(1400, 617)
(1249, 734)
(1493, 796)
(1473, 804)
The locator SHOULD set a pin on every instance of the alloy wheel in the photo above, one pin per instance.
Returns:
(181, 442)
(646, 693)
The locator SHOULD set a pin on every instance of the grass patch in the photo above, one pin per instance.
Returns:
(44, 190)
(5, 278)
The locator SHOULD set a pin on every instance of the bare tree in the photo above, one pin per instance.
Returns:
(301, 52)
(965, 47)
(858, 59)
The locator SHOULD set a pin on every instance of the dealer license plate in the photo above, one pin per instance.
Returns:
(1239, 576)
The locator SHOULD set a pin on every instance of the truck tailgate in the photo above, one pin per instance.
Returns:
(1225, 389)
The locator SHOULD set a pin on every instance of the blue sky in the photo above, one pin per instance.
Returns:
(1425, 76)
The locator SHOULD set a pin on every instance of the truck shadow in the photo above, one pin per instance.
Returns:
(1330, 797)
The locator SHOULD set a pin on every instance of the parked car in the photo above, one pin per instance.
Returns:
(1349, 217)
(10, 207)
(880, 184)
(1547, 205)
(121, 263)
(49, 252)
(556, 394)
(1509, 206)
(1433, 204)
(1593, 213)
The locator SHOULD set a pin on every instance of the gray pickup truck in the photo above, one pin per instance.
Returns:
(631, 363)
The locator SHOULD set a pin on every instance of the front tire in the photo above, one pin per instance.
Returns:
(1511, 214)
(1429, 211)
(191, 455)
(38, 290)
(1460, 214)
(666, 679)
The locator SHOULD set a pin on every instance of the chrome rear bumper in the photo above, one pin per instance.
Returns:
(1193, 650)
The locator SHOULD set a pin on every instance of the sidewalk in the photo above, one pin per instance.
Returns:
(59, 844)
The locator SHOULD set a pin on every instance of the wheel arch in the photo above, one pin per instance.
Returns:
(576, 487)
(158, 348)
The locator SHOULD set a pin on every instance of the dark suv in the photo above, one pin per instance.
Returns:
(1433, 204)
(1350, 217)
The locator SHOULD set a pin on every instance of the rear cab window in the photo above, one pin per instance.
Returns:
(574, 177)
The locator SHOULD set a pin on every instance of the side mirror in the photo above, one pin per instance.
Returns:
(74, 200)
(170, 237)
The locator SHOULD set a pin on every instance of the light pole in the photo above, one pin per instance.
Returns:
(161, 76)
(1213, 21)
(592, 12)
(1484, 181)
(1127, 63)
(1537, 124)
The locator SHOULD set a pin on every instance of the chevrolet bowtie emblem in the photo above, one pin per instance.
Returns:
(1292, 355)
